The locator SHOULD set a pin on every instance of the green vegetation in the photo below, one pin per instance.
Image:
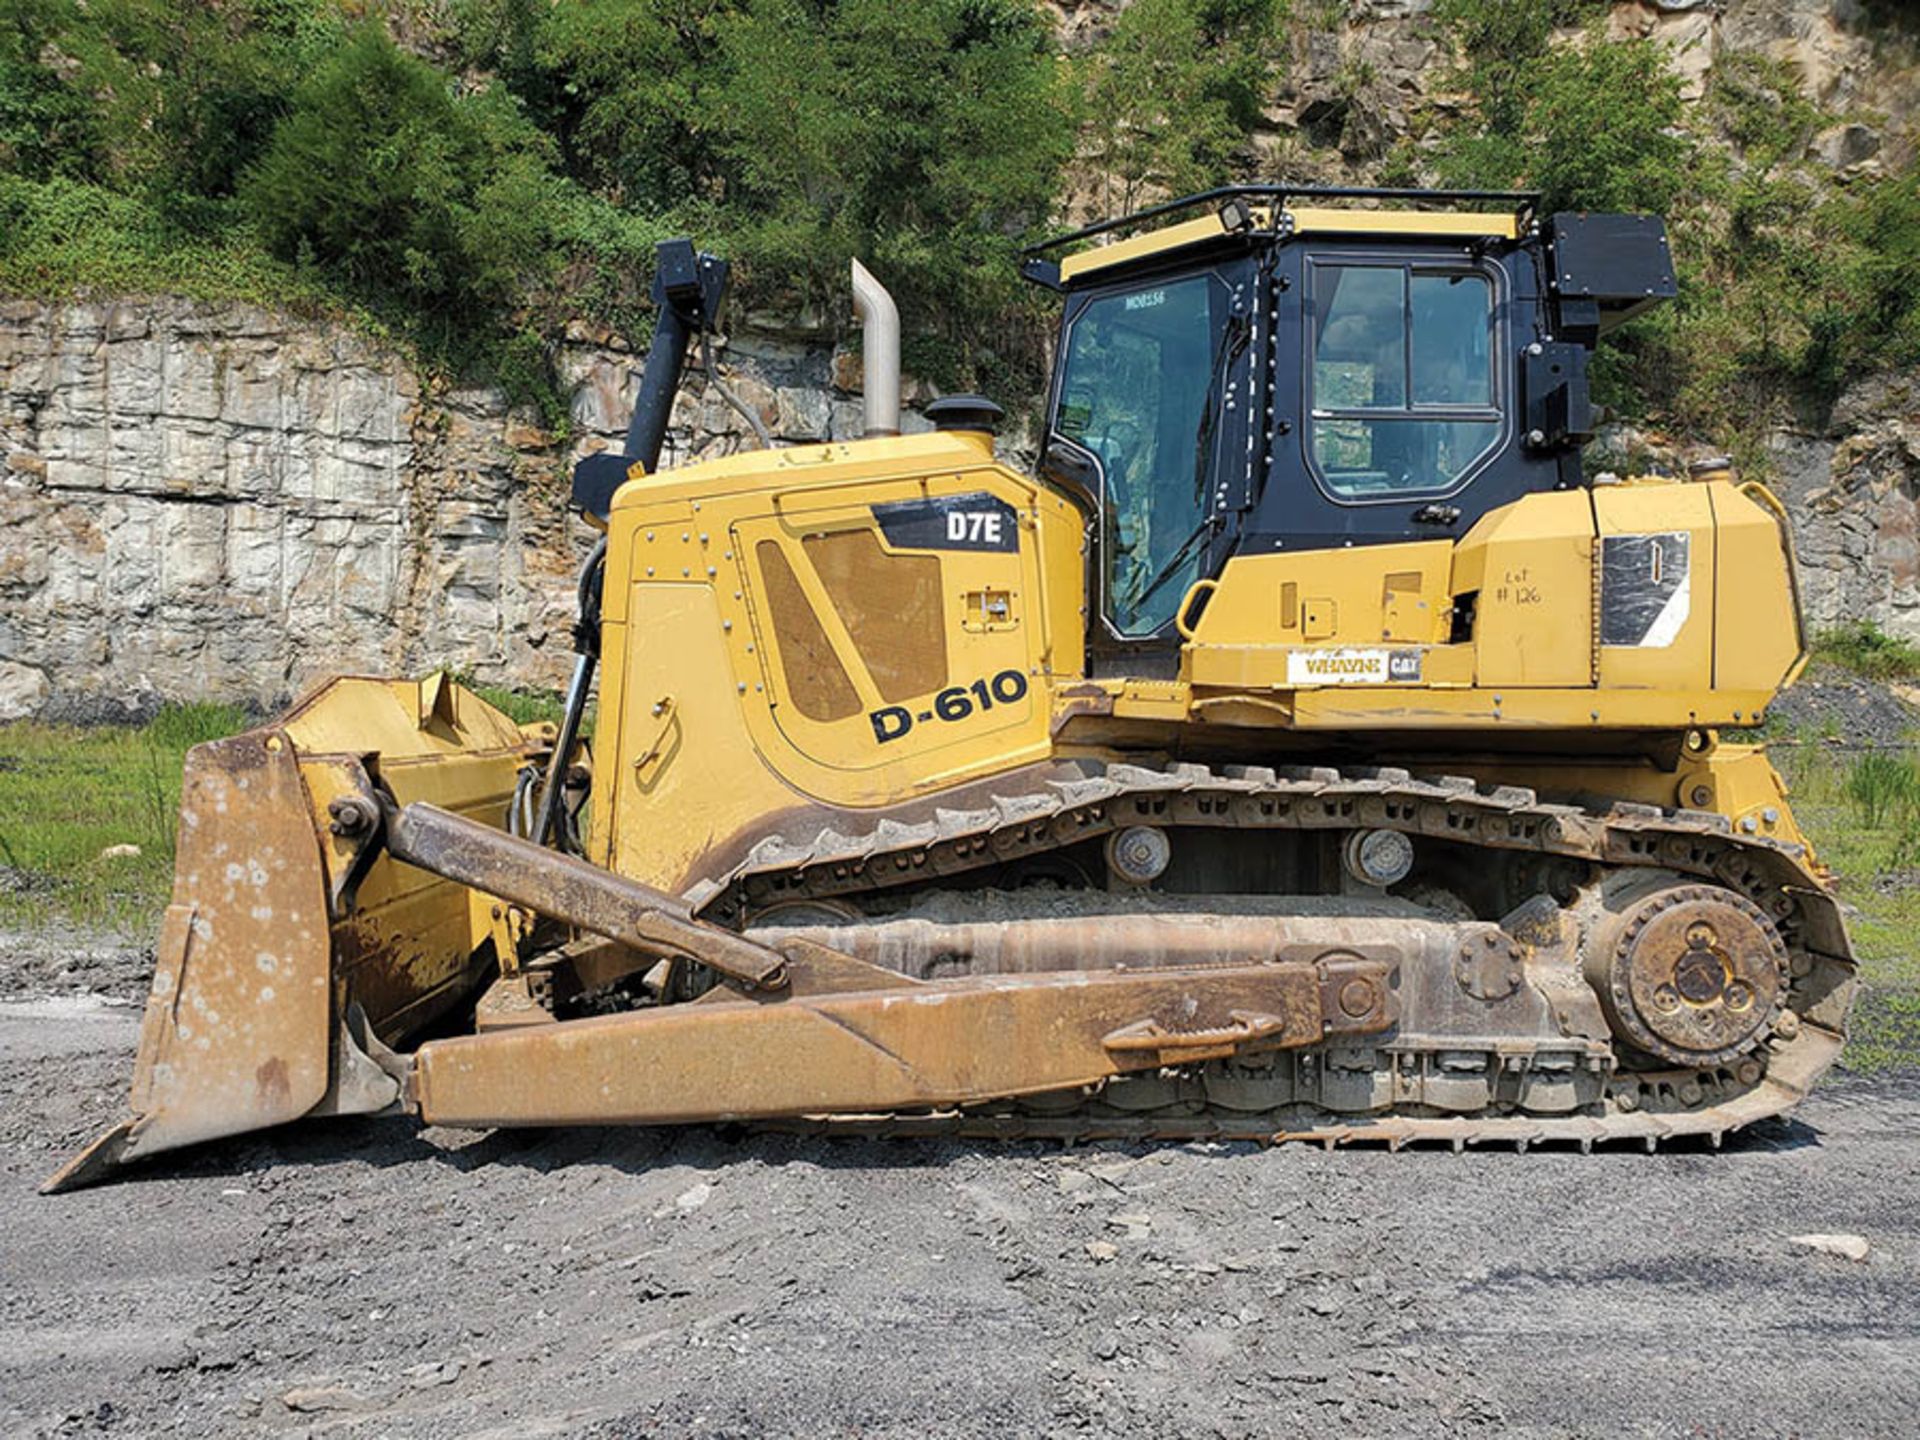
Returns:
(1593, 127)
(472, 203)
(1174, 93)
(1864, 648)
(512, 166)
(378, 176)
(1862, 810)
(1883, 789)
(528, 707)
(69, 795)
(1791, 283)
(471, 176)
(928, 139)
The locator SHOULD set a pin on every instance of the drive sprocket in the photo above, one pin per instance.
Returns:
(1691, 974)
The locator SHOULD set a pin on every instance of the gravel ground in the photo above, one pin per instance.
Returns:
(362, 1278)
(34, 968)
(1829, 702)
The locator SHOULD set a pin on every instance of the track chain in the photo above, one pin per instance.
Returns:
(1053, 813)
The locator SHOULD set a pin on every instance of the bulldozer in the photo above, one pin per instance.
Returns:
(1304, 747)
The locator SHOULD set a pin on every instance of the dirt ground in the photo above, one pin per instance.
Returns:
(360, 1278)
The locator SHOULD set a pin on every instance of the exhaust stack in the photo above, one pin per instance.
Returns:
(880, 344)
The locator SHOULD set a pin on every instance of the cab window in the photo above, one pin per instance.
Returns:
(1134, 393)
(1403, 398)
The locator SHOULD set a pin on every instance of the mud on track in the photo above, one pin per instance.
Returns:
(361, 1278)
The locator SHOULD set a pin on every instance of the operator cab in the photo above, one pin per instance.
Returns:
(1275, 375)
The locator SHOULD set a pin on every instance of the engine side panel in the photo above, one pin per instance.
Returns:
(820, 628)
(1639, 606)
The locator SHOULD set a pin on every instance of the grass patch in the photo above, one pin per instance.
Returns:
(528, 707)
(1862, 812)
(67, 795)
(1864, 648)
(1882, 787)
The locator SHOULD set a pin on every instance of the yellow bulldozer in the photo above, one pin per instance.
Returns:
(1306, 749)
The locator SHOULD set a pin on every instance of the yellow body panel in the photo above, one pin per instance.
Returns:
(1530, 568)
(1267, 608)
(1470, 224)
(775, 650)
(686, 771)
(1675, 533)
(1137, 247)
(1532, 578)
(768, 646)
(1756, 622)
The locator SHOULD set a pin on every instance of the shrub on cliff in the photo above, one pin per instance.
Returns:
(926, 138)
(168, 100)
(624, 87)
(1592, 125)
(49, 126)
(1887, 224)
(1794, 281)
(414, 198)
(1174, 91)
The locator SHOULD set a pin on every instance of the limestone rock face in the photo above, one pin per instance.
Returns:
(23, 691)
(219, 502)
(1855, 497)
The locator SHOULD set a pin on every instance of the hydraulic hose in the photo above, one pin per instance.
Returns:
(586, 645)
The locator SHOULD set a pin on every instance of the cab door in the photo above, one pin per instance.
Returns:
(1154, 392)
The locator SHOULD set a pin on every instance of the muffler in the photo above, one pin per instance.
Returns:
(879, 352)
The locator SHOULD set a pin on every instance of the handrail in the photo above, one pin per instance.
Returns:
(1522, 201)
(1202, 586)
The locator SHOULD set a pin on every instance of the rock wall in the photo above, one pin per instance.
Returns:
(215, 501)
(1854, 493)
(218, 501)
(1359, 84)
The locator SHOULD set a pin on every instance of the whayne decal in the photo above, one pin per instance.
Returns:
(1353, 667)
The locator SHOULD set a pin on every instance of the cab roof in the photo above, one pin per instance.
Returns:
(1267, 209)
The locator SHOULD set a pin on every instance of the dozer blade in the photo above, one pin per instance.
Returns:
(282, 937)
(237, 1027)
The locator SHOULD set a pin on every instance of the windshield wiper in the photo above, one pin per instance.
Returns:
(1233, 339)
